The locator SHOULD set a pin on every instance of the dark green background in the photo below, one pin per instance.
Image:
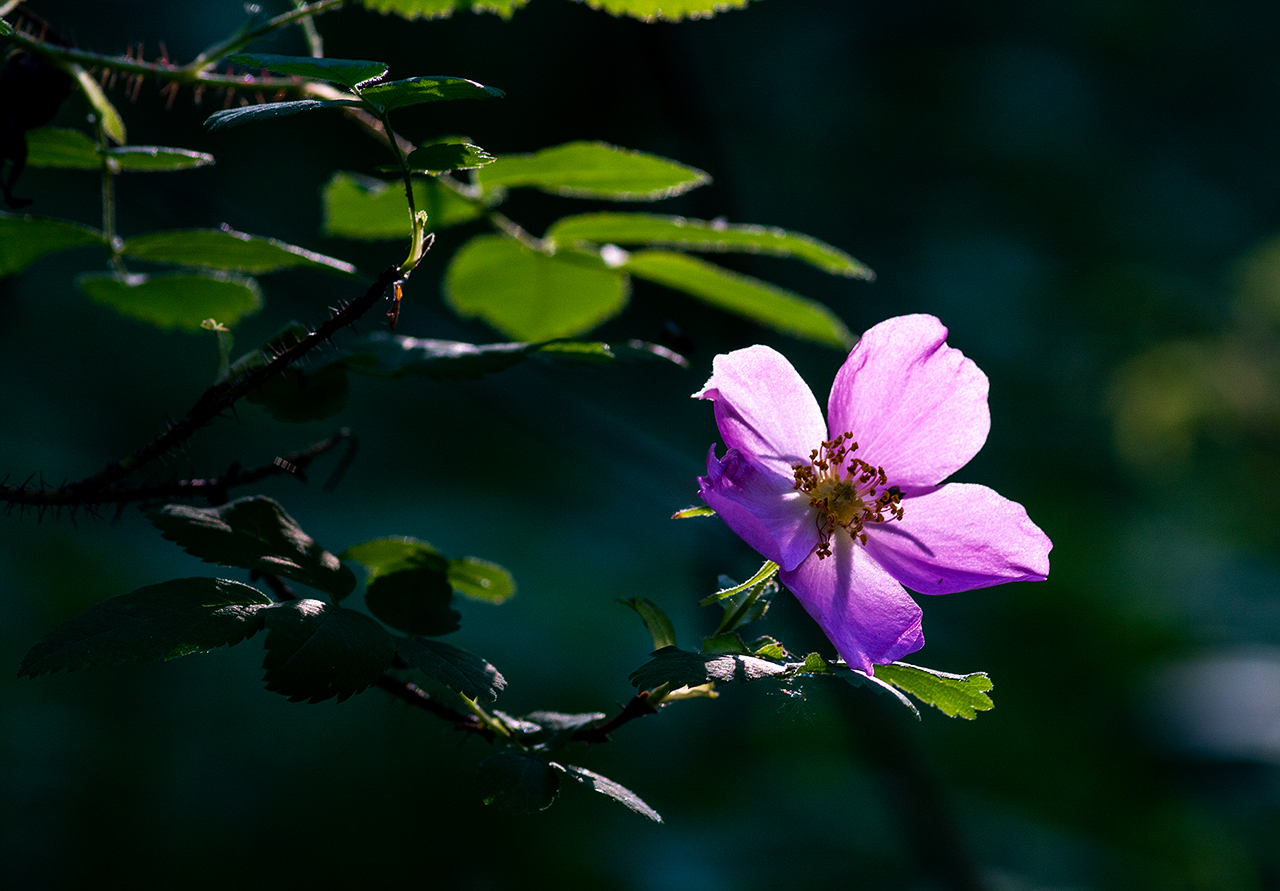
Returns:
(1068, 186)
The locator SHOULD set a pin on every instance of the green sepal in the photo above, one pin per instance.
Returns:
(180, 300)
(252, 114)
(517, 782)
(606, 786)
(955, 695)
(227, 249)
(594, 170)
(25, 239)
(655, 620)
(164, 621)
(347, 72)
(316, 651)
(457, 669)
(429, 88)
(253, 533)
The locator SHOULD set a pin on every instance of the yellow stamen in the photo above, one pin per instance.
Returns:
(842, 489)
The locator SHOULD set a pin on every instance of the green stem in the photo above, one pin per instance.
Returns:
(114, 243)
(510, 227)
(247, 34)
(315, 44)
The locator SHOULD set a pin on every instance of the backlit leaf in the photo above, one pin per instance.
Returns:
(25, 239)
(594, 170)
(448, 156)
(384, 556)
(956, 695)
(766, 304)
(442, 9)
(59, 147)
(529, 295)
(253, 533)
(606, 786)
(112, 124)
(316, 651)
(368, 209)
(520, 783)
(155, 158)
(176, 300)
(347, 72)
(227, 249)
(429, 88)
(655, 620)
(698, 510)
(250, 114)
(665, 10)
(175, 618)
(455, 668)
(701, 235)
(478, 579)
(764, 573)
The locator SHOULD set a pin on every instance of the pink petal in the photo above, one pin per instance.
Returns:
(959, 537)
(913, 404)
(862, 610)
(764, 409)
(762, 509)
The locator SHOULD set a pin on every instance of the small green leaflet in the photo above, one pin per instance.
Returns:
(520, 783)
(347, 72)
(176, 300)
(25, 239)
(471, 577)
(766, 304)
(361, 207)
(701, 235)
(446, 156)
(316, 651)
(478, 579)
(684, 669)
(228, 249)
(175, 618)
(594, 170)
(606, 786)
(528, 295)
(253, 533)
(442, 9)
(698, 510)
(430, 88)
(59, 147)
(955, 695)
(251, 114)
(655, 620)
(764, 573)
(665, 10)
(112, 124)
(457, 669)
(725, 643)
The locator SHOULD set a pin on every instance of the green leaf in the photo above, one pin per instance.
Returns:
(59, 147)
(956, 695)
(750, 603)
(665, 10)
(606, 786)
(698, 510)
(430, 88)
(546, 731)
(517, 782)
(446, 156)
(360, 207)
(227, 249)
(251, 114)
(529, 295)
(155, 159)
(347, 72)
(478, 579)
(655, 620)
(5, 29)
(701, 235)
(764, 573)
(768, 648)
(112, 124)
(594, 170)
(725, 642)
(442, 9)
(176, 300)
(299, 396)
(455, 668)
(683, 669)
(767, 304)
(253, 533)
(815, 664)
(25, 239)
(415, 601)
(316, 651)
(175, 618)
(384, 556)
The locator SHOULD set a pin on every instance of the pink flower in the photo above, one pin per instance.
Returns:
(852, 510)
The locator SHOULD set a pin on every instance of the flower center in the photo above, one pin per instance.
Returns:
(843, 490)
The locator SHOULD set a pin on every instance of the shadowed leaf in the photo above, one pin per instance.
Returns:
(430, 88)
(25, 239)
(455, 668)
(316, 651)
(176, 300)
(361, 207)
(655, 621)
(250, 114)
(517, 782)
(683, 669)
(347, 72)
(606, 786)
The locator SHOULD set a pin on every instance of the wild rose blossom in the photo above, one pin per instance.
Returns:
(853, 509)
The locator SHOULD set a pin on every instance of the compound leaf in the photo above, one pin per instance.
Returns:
(176, 300)
(455, 668)
(594, 170)
(316, 651)
(60, 147)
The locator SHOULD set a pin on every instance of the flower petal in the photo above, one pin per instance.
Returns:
(862, 610)
(959, 537)
(764, 409)
(762, 509)
(914, 405)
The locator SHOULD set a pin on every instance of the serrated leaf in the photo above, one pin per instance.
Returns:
(517, 782)
(955, 695)
(606, 786)
(253, 533)
(699, 510)
(766, 304)
(442, 9)
(112, 124)
(316, 651)
(63, 148)
(815, 664)
(478, 579)
(227, 249)
(252, 114)
(415, 601)
(763, 574)
(683, 669)
(655, 620)
(442, 157)
(665, 10)
(176, 300)
(25, 239)
(768, 648)
(455, 668)
(702, 235)
(174, 618)
(547, 731)
(347, 72)
(368, 209)
(529, 295)
(428, 88)
(594, 170)
(299, 396)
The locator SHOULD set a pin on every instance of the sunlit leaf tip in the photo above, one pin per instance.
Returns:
(698, 510)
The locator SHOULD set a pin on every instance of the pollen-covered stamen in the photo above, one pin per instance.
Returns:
(846, 492)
